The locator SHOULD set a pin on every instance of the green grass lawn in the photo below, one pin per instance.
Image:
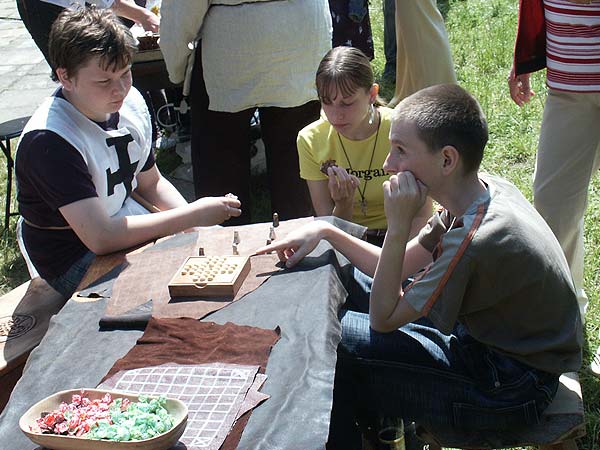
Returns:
(482, 38)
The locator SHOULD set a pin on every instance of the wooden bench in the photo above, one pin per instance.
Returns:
(25, 313)
(560, 425)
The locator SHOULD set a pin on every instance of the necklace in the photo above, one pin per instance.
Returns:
(363, 200)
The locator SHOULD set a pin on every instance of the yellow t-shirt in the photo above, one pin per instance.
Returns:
(319, 142)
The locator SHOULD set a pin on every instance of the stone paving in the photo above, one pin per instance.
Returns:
(24, 73)
(25, 77)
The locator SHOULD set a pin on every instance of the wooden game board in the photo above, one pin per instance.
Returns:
(210, 276)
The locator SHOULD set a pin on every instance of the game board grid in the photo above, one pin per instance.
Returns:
(204, 268)
(213, 394)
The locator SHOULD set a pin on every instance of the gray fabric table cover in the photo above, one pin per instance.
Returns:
(303, 302)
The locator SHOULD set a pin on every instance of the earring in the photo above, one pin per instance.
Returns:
(371, 114)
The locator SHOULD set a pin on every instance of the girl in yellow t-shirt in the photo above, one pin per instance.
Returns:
(342, 154)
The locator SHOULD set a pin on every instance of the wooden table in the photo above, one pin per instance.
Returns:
(25, 313)
(303, 302)
(149, 71)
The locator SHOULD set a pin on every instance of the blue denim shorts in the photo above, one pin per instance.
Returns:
(67, 283)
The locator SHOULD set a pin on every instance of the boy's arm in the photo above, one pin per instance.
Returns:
(361, 254)
(301, 242)
(403, 197)
(103, 234)
(157, 190)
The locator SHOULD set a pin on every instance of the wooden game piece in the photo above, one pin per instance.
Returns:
(275, 220)
(210, 276)
(201, 251)
(272, 236)
(236, 237)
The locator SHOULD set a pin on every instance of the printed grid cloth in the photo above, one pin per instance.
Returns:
(213, 393)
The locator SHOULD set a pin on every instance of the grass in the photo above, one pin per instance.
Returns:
(482, 35)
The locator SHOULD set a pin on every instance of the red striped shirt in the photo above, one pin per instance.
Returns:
(572, 45)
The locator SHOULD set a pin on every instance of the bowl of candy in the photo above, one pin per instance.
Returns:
(94, 419)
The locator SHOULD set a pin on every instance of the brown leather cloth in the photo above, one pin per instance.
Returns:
(142, 271)
(146, 274)
(187, 341)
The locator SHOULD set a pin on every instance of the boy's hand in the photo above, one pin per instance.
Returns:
(520, 89)
(297, 244)
(341, 186)
(215, 210)
(403, 197)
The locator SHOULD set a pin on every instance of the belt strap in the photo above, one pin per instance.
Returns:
(374, 232)
(39, 227)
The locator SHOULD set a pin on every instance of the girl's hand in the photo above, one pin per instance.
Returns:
(297, 244)
(342, 186)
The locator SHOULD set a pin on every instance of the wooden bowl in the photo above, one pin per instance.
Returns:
(163, 441)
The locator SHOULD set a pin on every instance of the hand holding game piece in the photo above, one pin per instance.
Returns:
(342, 185)
(326, 165)
(215, 210)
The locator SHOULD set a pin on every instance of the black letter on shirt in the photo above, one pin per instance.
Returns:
(126, 168)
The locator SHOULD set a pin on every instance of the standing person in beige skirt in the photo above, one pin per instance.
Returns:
(423, 55)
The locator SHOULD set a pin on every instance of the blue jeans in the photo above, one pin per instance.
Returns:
(67, 283)
(456, 387)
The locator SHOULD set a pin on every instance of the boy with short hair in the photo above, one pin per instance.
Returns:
(87, 150)
(478, 340)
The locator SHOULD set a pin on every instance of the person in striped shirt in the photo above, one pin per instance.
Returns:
(563, 36)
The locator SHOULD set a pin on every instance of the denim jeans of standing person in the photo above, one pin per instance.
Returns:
(456, 387)
(389, 39)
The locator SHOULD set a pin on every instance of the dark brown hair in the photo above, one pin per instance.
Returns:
(81, 34)
(447, 114)
(347, 69)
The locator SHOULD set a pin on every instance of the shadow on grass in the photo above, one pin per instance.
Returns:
(444, 7)
(260, 198)
(13, 270)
